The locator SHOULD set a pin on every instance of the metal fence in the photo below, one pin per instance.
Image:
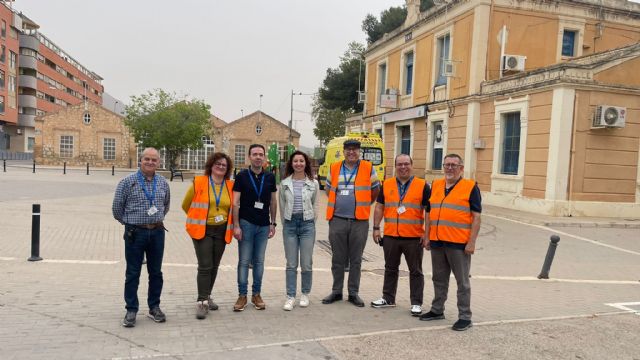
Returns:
(12, 155)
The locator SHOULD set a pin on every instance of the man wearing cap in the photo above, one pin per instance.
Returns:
(352, 185)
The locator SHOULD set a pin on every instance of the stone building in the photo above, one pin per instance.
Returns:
(234, 138)
(540, 98)
(81, 134)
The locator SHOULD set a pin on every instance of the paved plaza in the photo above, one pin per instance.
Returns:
(70, 305)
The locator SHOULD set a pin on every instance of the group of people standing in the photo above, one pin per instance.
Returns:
(444, 218)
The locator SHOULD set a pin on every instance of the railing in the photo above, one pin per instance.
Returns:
(11, 155)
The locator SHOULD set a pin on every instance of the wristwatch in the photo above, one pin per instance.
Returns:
(376, 228)
(274, 224)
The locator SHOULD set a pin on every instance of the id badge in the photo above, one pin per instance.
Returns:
(258, 205)
(218, 218)
(152, 210)
(344, 192)
(401, 209)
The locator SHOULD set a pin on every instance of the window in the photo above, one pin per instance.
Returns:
(3, 54)
(511, 144)
(1, 104)
(443, 54)
(12, 84)
(2, 82)
(66, 146)
(109, 148)
(373, 155)
(258, 129)
(86, 118)
(31, 141)
(408, 73)
(437, 146)
(3, 30)
(12, 59)
(238, 156)
(569, 42)
(379, 132)
(404, 134)
(382, 79)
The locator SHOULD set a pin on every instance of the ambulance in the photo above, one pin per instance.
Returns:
(371, 149)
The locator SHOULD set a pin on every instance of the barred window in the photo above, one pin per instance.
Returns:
(66, 146)
(109, 148)
(238, 158)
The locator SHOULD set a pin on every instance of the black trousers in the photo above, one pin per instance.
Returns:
(394, 248)
(209, 252)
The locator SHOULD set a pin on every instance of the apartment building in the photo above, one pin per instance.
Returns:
(45, 77)
(541, 99)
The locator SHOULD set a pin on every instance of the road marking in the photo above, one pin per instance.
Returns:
(376, 333)
(87, 262)
(625, 306)
(566, 234)
(7, 259)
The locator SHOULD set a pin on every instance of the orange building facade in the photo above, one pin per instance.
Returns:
(542, 100)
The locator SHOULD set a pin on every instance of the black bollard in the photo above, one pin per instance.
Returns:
(551, 252)
(64, 168)
(87, 168)
(34, 166)
(35, 233)
(113, 170)
(4, 165)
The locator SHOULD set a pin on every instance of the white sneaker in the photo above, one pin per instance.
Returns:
(304, 300)
(416, 310)
(289, 304)
(381, 303)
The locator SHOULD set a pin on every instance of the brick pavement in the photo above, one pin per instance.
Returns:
(53, 309)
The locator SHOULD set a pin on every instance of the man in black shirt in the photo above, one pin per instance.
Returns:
(254, 203)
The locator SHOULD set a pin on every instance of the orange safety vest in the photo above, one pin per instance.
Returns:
(362, 188)
(197, 215)
(411, 222)
(450, 217)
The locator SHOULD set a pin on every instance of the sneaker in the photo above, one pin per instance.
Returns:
(289, 304)
(381, 303)
(304, 300)
(462, 325)
(202, 309)
(129, 319)
(416, 310)
(258, 303)
(431, 316)
(241, 303)
(157, 315)
(212, 305)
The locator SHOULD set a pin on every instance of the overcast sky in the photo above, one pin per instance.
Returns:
(224, 52)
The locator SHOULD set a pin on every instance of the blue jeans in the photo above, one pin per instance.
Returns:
(299, 238)
(140, 242)
(251, 249)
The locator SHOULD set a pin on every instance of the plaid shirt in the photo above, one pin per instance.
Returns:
(130, 205)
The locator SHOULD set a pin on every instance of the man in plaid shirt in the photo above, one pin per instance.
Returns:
(140, 203)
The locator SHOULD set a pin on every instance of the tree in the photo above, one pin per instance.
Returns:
(160, 119)
(390, 19)
(329, 123)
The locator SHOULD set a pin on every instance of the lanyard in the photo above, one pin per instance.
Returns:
(253, 182)
(402, 189)
(151, 196)
(351, 174)
(218, 196)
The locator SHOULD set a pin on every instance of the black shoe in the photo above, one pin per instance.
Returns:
(157, 315)
(355, 300)
(431, 316)
(462, 325)
(333, 297)
(129, 319)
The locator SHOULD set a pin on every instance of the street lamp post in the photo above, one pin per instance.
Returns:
(291, 118)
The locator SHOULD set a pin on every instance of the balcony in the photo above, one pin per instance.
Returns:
(29, 62)
(26, 81)
(30, 42)
(26, 120)
(27, 101)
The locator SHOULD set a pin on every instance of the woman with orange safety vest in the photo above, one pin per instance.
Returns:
(208, 204)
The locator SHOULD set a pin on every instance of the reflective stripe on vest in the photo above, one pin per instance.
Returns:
(411, 222)
(196, 223)
(362, 190)
(450, 217)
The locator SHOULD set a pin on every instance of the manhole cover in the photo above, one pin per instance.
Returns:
(401, 273)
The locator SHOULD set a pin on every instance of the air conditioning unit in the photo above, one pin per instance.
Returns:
(448, 68)
(609, 116)
(362, 97)
(391, 91)
(19, 131)
(513, 62)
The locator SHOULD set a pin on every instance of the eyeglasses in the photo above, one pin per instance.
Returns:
(220, 165)
(451, 166)
(352, 149)
(403, 164)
